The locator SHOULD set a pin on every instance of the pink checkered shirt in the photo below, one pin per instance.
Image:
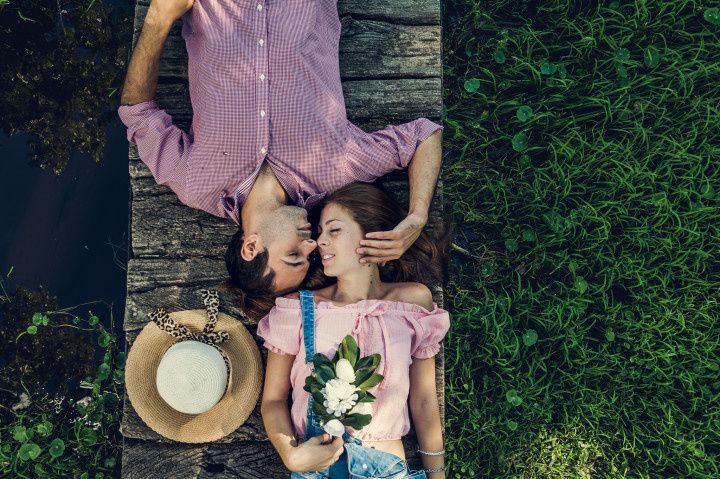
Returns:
(264, 82)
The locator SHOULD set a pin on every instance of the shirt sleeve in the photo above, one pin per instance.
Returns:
(162, 146)
(281, 330)
(372, 155)
(430, 330)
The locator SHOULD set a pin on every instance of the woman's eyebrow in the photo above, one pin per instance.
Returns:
(330, 220)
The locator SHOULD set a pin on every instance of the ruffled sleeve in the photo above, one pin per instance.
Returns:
(430, 329)
(281, 328)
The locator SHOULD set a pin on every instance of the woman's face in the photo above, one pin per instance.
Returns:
(339, 237)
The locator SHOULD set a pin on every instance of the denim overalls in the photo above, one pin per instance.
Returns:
(356, 462)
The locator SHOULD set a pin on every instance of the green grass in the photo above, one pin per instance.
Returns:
(592, 220)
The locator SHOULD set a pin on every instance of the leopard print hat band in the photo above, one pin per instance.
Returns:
(211, 300)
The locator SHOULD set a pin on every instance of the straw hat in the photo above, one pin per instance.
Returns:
(194, 376)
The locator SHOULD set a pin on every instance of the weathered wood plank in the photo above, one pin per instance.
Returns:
(250, 460)
(372, 49)
(409, 12)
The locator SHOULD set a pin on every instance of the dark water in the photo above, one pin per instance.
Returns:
(58, 231)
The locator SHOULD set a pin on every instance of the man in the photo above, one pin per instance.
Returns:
(269, 134)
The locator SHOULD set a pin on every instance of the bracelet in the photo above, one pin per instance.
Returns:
(435, 469)
(426, 453)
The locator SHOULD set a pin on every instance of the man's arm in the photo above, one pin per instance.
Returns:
(423, 171)
(142, 75)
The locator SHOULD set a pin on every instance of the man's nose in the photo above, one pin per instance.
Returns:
(308, 246)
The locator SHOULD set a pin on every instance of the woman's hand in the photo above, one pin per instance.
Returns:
(314, 454)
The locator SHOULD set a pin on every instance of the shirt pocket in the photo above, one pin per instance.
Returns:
(291, 22)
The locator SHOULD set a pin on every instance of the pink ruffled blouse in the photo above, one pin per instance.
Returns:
(397, 331)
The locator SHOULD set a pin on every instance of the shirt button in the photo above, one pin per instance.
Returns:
(261, 42)
(259, 7)
(262, 113)
(262, 76)
(263, 150)
(364, 466)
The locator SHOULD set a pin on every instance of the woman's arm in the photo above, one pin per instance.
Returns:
(311, 455)
(425, 412)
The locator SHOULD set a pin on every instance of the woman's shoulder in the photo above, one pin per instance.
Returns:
(413, 293)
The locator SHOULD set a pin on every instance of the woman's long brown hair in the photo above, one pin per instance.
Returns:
(375, 210)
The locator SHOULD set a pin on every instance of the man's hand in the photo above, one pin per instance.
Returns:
(168, 10)
(383, 246)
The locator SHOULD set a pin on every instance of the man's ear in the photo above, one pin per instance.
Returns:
(250, 247)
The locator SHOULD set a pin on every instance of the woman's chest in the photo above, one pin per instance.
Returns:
(388, 336)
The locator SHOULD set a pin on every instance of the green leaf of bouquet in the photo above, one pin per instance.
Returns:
(320, 359)
(357, 421)
(319, 410)
(324, 373)
(336, 357)
(368, 397)
(368, 362)
(372, 381)
(57, 447)
(318, 397)
(363, 375)
(349, 350)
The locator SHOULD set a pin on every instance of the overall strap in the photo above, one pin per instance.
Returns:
(307, 307)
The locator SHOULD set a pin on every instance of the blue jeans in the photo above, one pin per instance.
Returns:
(357, 461)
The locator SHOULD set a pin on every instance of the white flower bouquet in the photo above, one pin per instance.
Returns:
(339, 387)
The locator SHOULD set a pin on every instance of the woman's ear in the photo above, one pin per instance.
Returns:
(250, 247)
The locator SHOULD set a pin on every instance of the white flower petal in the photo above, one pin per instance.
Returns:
(334, 427)
(344, 371)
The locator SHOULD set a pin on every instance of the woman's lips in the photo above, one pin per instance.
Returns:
(327, 257)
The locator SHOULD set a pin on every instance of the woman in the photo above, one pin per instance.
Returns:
(398, 320)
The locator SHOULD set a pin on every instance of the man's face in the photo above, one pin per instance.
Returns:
(286, 235)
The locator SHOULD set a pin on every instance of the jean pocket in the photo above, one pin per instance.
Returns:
(367, 463)
(307, 475)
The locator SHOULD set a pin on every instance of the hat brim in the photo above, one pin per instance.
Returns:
(228, 414)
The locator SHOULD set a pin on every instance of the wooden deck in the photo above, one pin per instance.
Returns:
(390, 59)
